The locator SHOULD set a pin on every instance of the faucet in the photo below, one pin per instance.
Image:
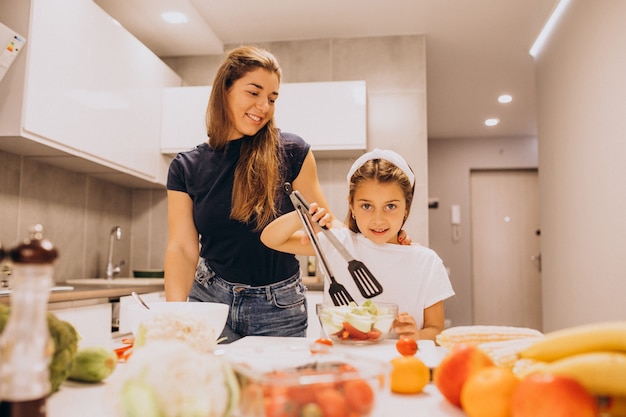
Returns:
(112, 270)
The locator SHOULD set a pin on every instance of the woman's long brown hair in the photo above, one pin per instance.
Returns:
(258, 174)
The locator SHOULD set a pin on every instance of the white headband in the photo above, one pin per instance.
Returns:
(387, 155)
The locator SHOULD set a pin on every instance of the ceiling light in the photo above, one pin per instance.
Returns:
(505, 98)
(492, 122)
(174, 17)
(548, 27)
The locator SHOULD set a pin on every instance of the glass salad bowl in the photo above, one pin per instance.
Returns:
(357, 324)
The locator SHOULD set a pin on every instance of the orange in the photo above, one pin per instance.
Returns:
(488, 392)
(409, 375)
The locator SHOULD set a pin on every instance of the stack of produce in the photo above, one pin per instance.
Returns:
(593, 354)
(578, 371)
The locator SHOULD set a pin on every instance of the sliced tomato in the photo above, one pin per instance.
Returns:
(354, 332)
(373, 334)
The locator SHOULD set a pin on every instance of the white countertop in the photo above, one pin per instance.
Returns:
(79, 400)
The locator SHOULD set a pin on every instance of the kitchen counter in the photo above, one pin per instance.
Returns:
(85, 292)
(79, 400)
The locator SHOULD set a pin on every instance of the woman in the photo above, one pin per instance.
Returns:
(225, 191)
(379, 200)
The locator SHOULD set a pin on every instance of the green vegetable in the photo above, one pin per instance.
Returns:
(139, 400)
(93, 364)
(65, 339)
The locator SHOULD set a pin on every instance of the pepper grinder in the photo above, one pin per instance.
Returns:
(25, 345)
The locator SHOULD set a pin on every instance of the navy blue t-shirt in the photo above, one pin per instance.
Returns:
(233, 249)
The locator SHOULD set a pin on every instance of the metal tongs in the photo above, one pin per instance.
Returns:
(365, 281)
(338, 293)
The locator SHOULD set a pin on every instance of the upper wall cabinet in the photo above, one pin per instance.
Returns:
(92, 91)
(331, 116)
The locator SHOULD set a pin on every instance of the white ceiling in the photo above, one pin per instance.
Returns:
(476, 49)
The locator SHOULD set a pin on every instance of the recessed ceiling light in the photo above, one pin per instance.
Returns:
(492, 122)
(174, 17)
(505, 98)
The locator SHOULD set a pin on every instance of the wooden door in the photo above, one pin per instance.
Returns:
(506, 265)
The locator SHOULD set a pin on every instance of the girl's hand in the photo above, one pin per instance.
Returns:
(320, 215)
(404, 325)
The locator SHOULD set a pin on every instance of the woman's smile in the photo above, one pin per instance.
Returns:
(251, 102)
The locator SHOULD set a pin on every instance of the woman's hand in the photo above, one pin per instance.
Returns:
(404, 325)
(403, 239)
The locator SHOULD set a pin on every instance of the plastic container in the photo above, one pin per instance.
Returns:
(292, 380)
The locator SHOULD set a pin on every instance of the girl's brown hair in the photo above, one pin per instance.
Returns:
(257, 175)
(382, 171)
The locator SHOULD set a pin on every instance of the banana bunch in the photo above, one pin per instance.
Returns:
(594, 354)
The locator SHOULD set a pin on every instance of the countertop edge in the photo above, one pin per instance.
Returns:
(85, 292)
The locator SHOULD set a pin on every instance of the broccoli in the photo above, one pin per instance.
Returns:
(65, 338)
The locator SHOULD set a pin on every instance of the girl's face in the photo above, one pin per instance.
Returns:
(379, 210)
(251, 102)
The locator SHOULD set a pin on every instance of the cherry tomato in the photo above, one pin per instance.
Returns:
(406, 346)
(321, 345)
(324, 341)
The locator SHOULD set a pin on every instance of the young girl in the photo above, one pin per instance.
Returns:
(412, 276)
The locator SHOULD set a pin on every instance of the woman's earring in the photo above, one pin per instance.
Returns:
(353, 218)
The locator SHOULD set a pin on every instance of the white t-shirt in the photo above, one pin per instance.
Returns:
(412, 276)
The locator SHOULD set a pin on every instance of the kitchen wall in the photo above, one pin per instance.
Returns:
(581, 107)
(77, 213)
(394, 69)
(449, 164)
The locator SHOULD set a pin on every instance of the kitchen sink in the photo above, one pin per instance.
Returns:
(116, 281)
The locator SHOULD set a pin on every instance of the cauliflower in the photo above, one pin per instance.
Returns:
(169, 378)
(65, 338)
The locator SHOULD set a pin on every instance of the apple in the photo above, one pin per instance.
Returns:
(547, 395)
(456, 367)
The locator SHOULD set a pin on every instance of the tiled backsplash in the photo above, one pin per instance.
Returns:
(77, 213)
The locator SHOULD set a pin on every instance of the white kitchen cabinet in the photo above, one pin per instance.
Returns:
(183, 122)
(331, 116)
(91, 318)
(91, 93)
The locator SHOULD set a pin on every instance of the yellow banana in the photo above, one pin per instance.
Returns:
(604, 336)
(602, 373)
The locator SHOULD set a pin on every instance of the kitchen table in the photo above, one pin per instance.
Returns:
(79, 400)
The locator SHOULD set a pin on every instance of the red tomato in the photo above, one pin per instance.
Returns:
(359, 395)
(354, 332)
(406, 346)
(332, 403)
(324, 341)
(374, 334)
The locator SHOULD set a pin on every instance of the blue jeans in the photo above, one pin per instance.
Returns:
(279, 309)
